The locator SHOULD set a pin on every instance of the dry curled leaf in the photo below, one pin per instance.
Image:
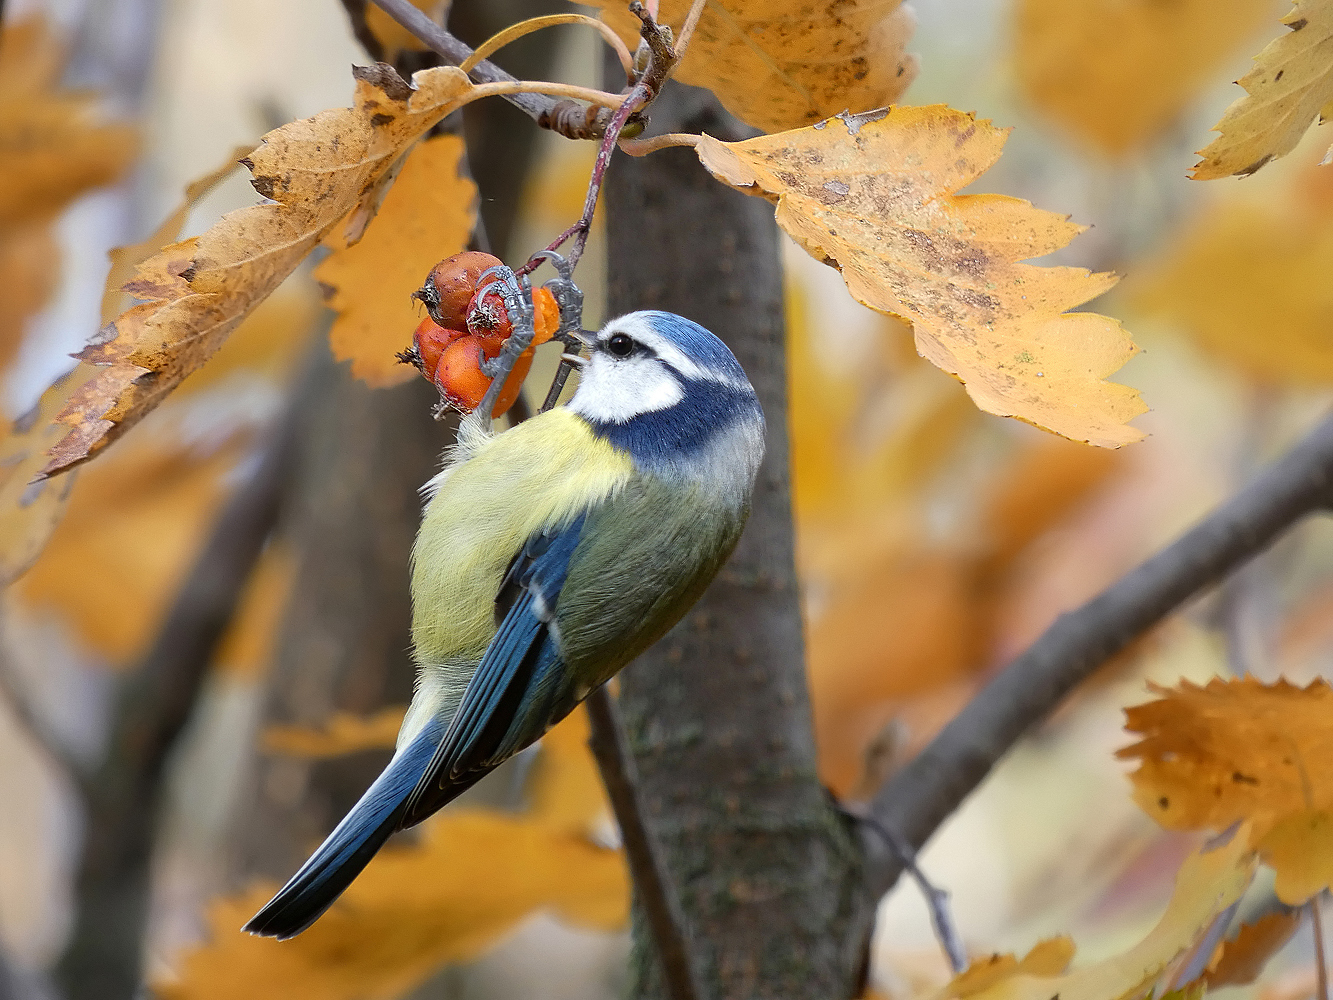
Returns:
(1208, 883)
(427, 215)
(874, 196)
(1116, 73)
(1249, 283)
(1242, 750)
(194, 293)
(784, 63)
(1239, 961)
(1290, 85)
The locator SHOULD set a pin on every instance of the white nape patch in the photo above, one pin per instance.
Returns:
(615, 391)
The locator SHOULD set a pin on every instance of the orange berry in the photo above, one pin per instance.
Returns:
(547, 315)
(489, 321)
(431, 341)
(450, 284)
(460, 379)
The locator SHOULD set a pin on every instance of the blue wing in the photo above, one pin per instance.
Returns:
(517, 691)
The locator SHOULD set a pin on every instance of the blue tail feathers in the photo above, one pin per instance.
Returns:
(349, 848)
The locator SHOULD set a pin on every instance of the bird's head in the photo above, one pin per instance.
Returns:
(670, 393)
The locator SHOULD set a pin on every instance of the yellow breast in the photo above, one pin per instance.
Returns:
(544, 472)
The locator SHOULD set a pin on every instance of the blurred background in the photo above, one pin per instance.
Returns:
(934, 542)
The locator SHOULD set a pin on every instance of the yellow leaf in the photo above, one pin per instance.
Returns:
(125, 259)
(196, 292)
(246, 647)
(1047, 958)
(29, 271)
(1299, 848)
(30, 57)
(1250, 284)
(52, 149)
(1240, 960)
(1290, 85)
(875, 197)
(427, 215)
(780, 64)
(342, 733)
(473, 877)
(129, 536)
(1208, 883)
(565, 790)
(1232, 750)
(1116, 73)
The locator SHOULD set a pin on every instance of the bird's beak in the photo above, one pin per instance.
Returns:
(585, 337)
(573, 359)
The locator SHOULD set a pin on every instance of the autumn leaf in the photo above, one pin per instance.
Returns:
(128, 537)
(426, 216)
(246, 647)
(54, 145)
(1290, 85)
(874, 196)
(393, 37)
(1240, 960)
(1299, 848)
(1117, 73)
(1249, 283)
(1242, 750)
(417, 907)
(342, 733)
(194, 293)
(1209, 882)
(1047, 958)
(785, 63)
(29, 272)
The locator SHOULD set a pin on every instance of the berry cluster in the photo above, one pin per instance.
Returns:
(467, 326)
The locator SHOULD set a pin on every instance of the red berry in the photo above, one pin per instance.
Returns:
(450, 284)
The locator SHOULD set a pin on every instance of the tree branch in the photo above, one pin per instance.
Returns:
(103, 955)
(918, 798)
(540, 108)
(657, 893)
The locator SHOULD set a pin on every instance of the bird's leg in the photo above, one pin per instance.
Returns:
(569, 297)
(516, 294)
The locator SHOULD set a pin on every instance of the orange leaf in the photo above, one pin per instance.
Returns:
(472, 878)
(196, 292)
(785, 63)
(427, 215)
(1243, 957)
(875, 197)
(1249, 284)
(1232, 750)
(1117, 73)
(342, 733)
(1047, 958)
(1299, 848)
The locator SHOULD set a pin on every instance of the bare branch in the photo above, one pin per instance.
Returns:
(539, 108)
(919, 797)
(656, 892)
(1320, 963)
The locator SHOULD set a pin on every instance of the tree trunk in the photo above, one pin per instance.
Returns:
(718, 712)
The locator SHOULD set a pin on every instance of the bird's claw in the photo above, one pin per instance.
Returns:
(567, 295)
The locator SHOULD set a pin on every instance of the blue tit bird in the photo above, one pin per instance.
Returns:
(549, 556)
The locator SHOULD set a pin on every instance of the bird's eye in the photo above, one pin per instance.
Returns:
(621, 345)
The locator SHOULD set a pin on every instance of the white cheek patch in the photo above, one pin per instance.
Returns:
(617, 391)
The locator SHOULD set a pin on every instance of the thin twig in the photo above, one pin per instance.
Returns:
(922, 794)
(687, 30)
(937, 899)
(1320, 963)
(517, 31)
(642, 147)
(656, 891)
(452, 50)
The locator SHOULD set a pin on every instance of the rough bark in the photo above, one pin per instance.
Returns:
(718, 712)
